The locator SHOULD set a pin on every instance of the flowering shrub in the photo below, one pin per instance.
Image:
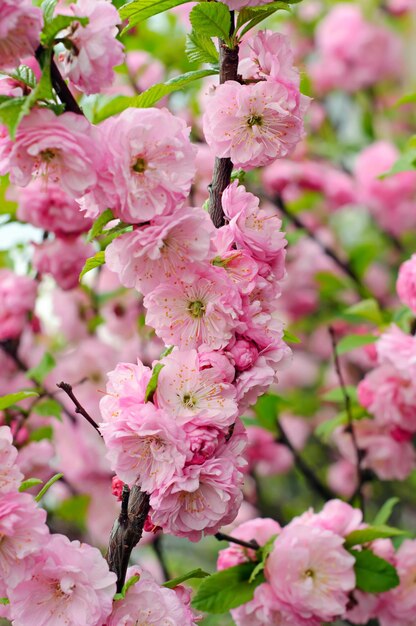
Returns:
(207, 313)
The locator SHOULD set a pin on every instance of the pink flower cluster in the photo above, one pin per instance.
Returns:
(50, 580)
(388, 392)
(20, 26)
(374, 56)
(406, 283)
(309, 574)
(91, 51)
(17, 300)
(253, 124)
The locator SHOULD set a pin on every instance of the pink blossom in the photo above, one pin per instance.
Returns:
(268, 55)
(398, 349)
(69, 583)
(310, 570)
(126, 387)
(201, 310)
(265, 455)
(219, 364)
(254, 124)
(162, 250)
(144, 69)
(375, 55)
(63, 259)
(240, 266)
(257, 230)
(203, 497)
(61, 148)
(406, 283)
(337, 516)
(17, 300)
(10, 475)
(93, 48)
(22, 532)
(144, 446)
(364, 607)
(342, 477)
(244, 354)
(146, 602)
(390, 199)
(148, 166)
(20, 26)
(48, 207)
(191, 394)
(266, 609)
(259, 530)
(398, 605)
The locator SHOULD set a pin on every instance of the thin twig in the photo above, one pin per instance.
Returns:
(345, 266)
(347, 400)
(158, 550)
(252, 545)
(67, 388)
(325, 492)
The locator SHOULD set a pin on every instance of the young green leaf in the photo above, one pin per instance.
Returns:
(267, 411)
(58, 23)
(201, 49)
(227, 589)
(367, 310)
(48, 8)
(14, 398)
(152, 95)
(212, 19)
(4, 601)
(25, 75)
(93, 262)
(11, 113)
(337, 394)
(42, 369)
(365, 535)
(290, 337)
(373, 574)
(152, 384)
(252, 16)
(385, 512)
(195, 573)
(140, 10)
(29, 483)
(129, 583)
(352, 342)
(100, 222)
(48, 408)
(48, 485)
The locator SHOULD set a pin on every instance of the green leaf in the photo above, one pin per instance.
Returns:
(42, 369)
(326, 428)
(48, 485)
(74, 510)
(44, 432)
(254, 15)
(373, 574)
(48, 408)
(200, 48)
(337, 394)
(212, 19)
(4, 601)
(366, 535)
(11, 113)
(48, 8)
(42, 91)
(166, 351)
(227, 589)
(129, 583)
(385, 512)
(14, 398)
(93, 262)
(100, 222)
(25, 75)
(152, 384)
(29, 483)
(140, 10)
(290, 337)
(58, 23)
(267, 410)
(195, 573)
(149, 97)
(367, 310)
(352, 342)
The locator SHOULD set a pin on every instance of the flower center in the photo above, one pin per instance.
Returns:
(140, 165)
(47, 155)
(196, 308)
(309, 573)
(255, 120)
(188, 401)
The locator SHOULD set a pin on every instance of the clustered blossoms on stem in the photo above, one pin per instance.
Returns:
(309, 574)
(20, 26)
(255, 123)
(48, 579)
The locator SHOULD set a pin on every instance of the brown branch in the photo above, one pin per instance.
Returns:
(58, 83)
(347, 400)
(127, 531)
(252, 545)
(67, 388)
(223, 167)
